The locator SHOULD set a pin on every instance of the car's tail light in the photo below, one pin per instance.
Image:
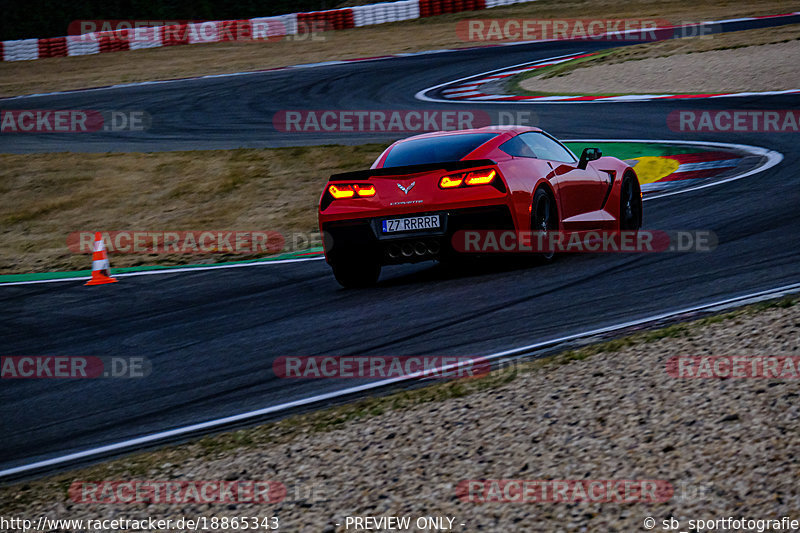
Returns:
(341, 191)
(476, 177)
(364, 190)
(481, 177)
(450, 182)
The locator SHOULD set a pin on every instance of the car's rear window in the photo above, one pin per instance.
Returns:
(435, 149)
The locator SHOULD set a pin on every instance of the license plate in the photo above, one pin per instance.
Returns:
(393, 225)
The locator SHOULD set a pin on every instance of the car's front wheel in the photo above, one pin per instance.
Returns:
(357, 274)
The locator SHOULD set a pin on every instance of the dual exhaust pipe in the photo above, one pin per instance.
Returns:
(411, 249)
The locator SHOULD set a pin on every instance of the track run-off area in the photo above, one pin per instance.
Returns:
(212, 335)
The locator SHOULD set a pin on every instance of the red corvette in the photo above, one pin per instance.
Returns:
(423, 189)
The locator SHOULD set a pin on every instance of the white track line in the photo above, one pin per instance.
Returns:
(556, 99)
(420, 95)
(220, 422)
(168, 271)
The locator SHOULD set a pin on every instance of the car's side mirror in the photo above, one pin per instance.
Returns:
(589, 154)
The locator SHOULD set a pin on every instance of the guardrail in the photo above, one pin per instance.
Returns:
(255, 29)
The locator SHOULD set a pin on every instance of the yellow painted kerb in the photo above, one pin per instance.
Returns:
(651, 169)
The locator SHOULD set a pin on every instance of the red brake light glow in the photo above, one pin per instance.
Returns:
(365, 190)
(349, 190)
(477, 177)
(449, 182)
(341, 191)
(481, 177)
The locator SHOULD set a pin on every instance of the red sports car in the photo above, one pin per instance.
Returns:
(423, 189)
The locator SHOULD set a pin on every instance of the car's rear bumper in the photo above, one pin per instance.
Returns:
(363, 237)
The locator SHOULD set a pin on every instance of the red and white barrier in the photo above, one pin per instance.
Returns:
(22, 50)
(266, 28)
(262, 28)
(78, 46)
(146, 38)
(496, 3)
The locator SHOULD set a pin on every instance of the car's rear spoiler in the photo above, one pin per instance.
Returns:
(360, 175)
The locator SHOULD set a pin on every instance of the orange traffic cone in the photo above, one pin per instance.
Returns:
(100, 273)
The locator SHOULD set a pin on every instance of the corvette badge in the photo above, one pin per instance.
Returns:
(406, 189)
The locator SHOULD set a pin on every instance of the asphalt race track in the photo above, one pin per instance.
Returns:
(212, 335)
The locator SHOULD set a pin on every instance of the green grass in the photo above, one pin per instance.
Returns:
(623, 150)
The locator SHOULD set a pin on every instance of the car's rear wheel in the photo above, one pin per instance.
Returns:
(544, 218)
(630, 211)
(357, 274)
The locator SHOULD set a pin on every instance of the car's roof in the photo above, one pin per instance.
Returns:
(502, 134)
(486, 129)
